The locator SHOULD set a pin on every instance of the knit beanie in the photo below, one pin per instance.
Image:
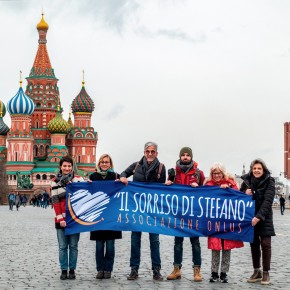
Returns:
(185, 150)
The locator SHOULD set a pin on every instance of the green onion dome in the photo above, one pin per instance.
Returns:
(58, 124)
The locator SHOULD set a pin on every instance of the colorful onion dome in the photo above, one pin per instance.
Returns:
(20, 104)
(83, 102)
(2, 109)
(42, 25)
(58, 125)
(4, 129)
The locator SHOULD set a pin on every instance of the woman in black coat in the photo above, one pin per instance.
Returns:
(261, 186)
(105, 240)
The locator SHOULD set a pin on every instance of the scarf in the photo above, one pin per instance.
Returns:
(104, 173)
(150, 169)
(63, 179)
(184, 166)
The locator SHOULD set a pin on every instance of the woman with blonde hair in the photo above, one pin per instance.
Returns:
(219, 177)
(105, 239)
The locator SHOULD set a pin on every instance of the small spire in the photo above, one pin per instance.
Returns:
(83, 82)
(20, 76)
(58, 103)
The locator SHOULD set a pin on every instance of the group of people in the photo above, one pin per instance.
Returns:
(17, 200)
(40, 200)
(257, 183)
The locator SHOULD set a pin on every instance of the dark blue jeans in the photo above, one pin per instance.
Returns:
(68, 249)
(105, 255)
(136, 250)
(178, 251)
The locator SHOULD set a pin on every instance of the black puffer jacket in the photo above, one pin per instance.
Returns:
(263, 195)
(141, 172)
(105, 234)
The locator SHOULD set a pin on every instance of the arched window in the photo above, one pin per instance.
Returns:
(38, 176)
(44, 177)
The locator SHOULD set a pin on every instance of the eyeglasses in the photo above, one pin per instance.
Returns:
(150, 152)
(216, 173)
(104, 162)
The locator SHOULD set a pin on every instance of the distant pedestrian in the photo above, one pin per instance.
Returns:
(11, 200)
(17, 201)
(261, 186)
(68, 244)
(105, 239)
(282, 203)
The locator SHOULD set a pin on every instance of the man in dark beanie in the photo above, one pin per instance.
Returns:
(187, 173)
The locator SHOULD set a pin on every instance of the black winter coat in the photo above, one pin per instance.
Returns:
(105, 234)
(263, 195)
(141, 174)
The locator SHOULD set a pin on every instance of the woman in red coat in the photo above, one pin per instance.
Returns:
(219, 177)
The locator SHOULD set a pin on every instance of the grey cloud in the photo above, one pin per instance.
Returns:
(111, 13)
(114, 112)
(174, 34)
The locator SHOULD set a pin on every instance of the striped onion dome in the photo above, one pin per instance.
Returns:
(4, 129)
(58, 124)
(2, 109)
(20, 104)
(83, 102)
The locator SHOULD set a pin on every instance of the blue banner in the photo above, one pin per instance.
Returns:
(174, 210)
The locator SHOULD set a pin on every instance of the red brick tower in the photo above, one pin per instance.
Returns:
(82, 139)
(43, 90)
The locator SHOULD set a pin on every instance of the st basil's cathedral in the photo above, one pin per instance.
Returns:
(39, 136)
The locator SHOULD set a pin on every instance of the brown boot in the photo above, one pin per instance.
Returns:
(266, 278)
(256, 277)
(196, 274)
(176, 274)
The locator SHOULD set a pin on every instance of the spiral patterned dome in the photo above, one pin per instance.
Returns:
(2, 109)
(4, 129)
(58, 124)
(82, 102)
(20, 104)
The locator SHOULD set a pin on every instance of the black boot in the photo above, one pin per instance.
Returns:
(214, 277)
(63, 275)
(223, 277)
(72, 274)
(133, 275)
(156, 274)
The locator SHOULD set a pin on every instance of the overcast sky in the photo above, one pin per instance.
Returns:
(212, 75)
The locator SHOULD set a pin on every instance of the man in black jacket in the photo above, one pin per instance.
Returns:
(148, 169)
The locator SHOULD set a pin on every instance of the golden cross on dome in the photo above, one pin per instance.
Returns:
(83, 82)
(20, 75)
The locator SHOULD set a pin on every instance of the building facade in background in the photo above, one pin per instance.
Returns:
(39, 136)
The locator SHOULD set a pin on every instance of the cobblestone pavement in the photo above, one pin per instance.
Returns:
(29, 258)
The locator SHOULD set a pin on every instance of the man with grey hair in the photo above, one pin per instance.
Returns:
(148, 169)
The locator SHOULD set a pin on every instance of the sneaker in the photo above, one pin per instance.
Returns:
(100, 275)
(133, 275)
(63, 275)
(157, 275)
(71, 274)
(214, 277)
(107, 275)
(256, 277)
(223, 277)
